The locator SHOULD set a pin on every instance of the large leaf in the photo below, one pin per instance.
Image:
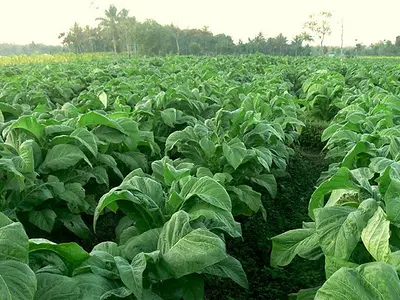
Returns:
(215, 218)
(302, 242)
(369, 281)
(234, 152)
(93, 286)
(209, 191)
(231, 268)
(27, 156)
(13, 240)
(175, 229)
(44, 219)
(71, 253)
(145, 242)
(52, 286)
(132, 274)
(62, 157)
(17, 281)
(75, 224)
(74, 195)
(194, 252)
(30, 124)
(376, 234)
(341, 180)
(268, 182)
(392, 201)
(339, 228)
(94, 118)
(86, 138)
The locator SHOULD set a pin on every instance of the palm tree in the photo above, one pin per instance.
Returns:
(281, 42)
(110, 23)
(127, 26)
(298, 40)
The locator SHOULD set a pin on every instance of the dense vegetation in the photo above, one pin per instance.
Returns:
(118, 31)
(163, 178)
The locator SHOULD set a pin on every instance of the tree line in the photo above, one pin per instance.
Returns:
(118, 31)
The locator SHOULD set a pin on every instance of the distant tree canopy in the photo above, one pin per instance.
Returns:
(117, 31)
(32, 48)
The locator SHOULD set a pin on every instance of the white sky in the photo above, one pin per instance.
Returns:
(24, 21)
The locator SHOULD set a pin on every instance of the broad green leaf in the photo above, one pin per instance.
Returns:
(339, 227)
(146, 212)
(175, 229)
(194, 252)
(169, 116)
(305, 294)
(109, 247)
(132, 274)
(268, 182)
(17, 281)
(208, 146)
(109, 134)
(101, 175)
(86, 138)
(75, 224)
(147, 186)
(93, 286)
(44, 219)
(376, 234)
(58, 129)
(30, 124)
(94, 118)
(234, 152)
(302, 242)
(211, 192)
(53, 286)
(27, 156)
(215, 218)
(74, 195)
(132, 160)
(341, 180)
(70, 253)
(202, 172)
(333, 264)
(120, 292)
(247, 195)
(329, 131)
(231, 268)
(145, 242)
(171, 174)
(13, 241)
(264, 156)
(369, 281)
(392, 201)
(62, 157)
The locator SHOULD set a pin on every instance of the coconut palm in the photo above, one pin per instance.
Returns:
(110, 24)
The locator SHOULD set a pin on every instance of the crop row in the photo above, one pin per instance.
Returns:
(176, 148)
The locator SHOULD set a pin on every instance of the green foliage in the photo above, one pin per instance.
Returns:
(355, 206)
(178, 148)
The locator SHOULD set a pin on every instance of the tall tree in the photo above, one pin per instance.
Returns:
(281, 43)
(127, 26)
(319, 26)
(298, 41)
(110, 24)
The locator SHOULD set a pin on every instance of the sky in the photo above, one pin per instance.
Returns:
(41, 21)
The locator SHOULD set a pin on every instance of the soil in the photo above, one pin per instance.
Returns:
(286, 212)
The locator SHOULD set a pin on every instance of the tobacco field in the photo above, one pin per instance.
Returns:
(228, 177)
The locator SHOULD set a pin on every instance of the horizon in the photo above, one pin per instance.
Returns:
(362, 23)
